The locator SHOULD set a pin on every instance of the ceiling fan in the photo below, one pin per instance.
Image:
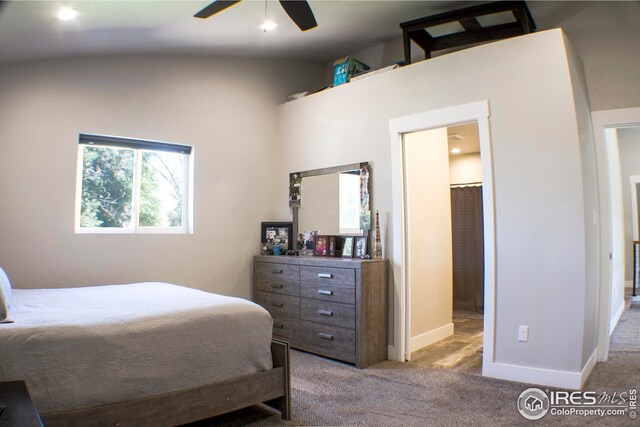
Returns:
(298, 10)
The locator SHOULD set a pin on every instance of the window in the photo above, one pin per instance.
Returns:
(132, 186)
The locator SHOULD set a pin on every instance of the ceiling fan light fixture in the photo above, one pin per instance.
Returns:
(298, 10)
(268, 26)
(67, 14)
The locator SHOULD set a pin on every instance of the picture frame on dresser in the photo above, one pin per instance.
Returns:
(360, 247)
(321, 246)
(334, 244)
(277, 233)
(347, 247)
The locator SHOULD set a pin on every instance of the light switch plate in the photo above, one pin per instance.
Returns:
(523, 333)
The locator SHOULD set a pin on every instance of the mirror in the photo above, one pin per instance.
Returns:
(332, 201)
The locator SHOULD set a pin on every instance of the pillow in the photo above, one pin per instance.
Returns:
(5, 295)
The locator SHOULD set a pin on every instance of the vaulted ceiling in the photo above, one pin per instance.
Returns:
(30, 30)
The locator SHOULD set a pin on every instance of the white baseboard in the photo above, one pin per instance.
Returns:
(588, 367)
(616, 317)
(431, 337)
(540, 376)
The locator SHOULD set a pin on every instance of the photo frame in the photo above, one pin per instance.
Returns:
(335, 246)
(277, 234)
(347, 247)
(360, 247)
(305, 242)
(321, 246)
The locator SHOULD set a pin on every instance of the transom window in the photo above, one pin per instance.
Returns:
(132, 186)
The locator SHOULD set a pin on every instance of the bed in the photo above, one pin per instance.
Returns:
(141, 354)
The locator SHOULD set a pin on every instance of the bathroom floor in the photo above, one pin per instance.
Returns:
(460, 352)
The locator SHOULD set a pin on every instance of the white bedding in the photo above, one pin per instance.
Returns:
(80, 347)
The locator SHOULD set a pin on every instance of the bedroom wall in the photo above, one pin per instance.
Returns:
(225, 108)
(591, 249)
(539, 200)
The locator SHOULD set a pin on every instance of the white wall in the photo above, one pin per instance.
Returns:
(609, 50)
(539, 202)
(429, 242)
(629, 147)
(465, 168)
(591, 250)
(224, 108)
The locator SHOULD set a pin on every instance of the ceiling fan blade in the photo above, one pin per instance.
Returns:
(300, 12)
(215, 7)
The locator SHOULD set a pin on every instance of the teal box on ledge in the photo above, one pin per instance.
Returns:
(345, 68)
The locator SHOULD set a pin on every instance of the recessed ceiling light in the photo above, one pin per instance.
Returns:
(67, 14)
(268, 26)
(456, 151)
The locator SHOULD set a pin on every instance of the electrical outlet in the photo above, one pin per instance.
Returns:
(523, 333)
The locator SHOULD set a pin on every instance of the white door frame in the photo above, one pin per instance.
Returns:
(479, 112)
(634, 180)
(602, 122)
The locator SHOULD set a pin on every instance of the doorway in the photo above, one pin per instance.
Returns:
(448, 117)
(443, 180)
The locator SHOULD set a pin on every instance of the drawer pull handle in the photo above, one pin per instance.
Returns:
(280, 305)
(326, 312)
(325, 336)
(276, 271)
(276, 286)
(323, 292)
(325, 275)
(280, 326)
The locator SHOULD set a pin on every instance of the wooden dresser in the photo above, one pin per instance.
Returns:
(335, 307)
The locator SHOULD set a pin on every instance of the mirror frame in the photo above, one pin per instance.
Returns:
(325, 171)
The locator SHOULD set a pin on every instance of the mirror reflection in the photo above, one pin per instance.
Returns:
(331, 203)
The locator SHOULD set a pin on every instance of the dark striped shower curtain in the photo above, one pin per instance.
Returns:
(468, 248)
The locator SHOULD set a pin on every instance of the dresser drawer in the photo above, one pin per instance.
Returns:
(286, 327)
(329, 275)
(277, 304)
(277, 271)
(330, 313)
(329, 336)
(326, 292)
(278, 286)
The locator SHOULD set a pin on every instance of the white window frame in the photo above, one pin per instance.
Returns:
(134, 227)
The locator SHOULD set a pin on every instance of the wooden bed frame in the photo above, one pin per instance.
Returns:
(271, 387)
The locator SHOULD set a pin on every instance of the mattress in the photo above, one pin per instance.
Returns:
(80, 347)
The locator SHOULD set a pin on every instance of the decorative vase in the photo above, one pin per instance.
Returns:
(377, 251)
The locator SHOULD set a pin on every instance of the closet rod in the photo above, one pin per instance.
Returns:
(466, 183)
